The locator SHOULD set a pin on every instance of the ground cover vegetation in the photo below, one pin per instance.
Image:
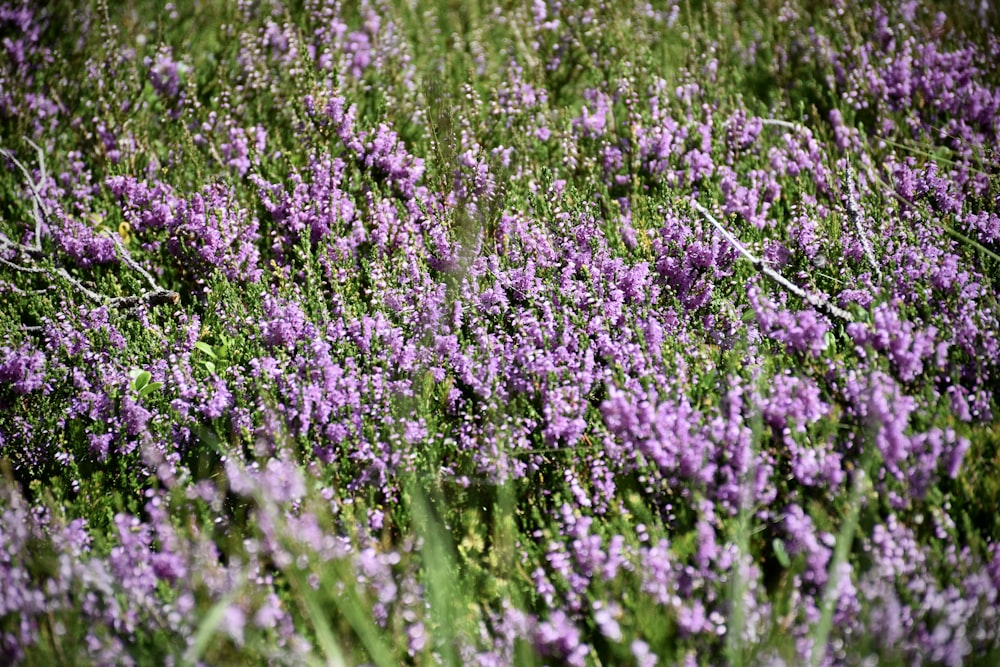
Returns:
(584, 333)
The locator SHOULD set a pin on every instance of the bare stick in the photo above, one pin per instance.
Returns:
(40, 210)
(132, 264)
(23, 269)
(783, 123)
(854, 214)
(819, 302)
(38, 196)
(76, 284)
(19, 247)
(154, 297)
(17, 290)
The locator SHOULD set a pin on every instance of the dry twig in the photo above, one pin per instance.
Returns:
(30, 256)
(820, 302)
(854, 214)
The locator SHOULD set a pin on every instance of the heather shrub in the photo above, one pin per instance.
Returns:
(532, 333)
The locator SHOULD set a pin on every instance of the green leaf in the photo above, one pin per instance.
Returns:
(780, 553)
(206, 348)
(831, 342)
(324, 633)
(140, 379)
(149, 388)
(820, 632)
(207, 628)
(209, 366)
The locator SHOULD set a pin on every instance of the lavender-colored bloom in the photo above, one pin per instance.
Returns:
(800, 331)
(211, 229)
(741, 131)
(548, 339)
(23, 369)
(220, 401)
(558, 636)
(817, 548)
(233, 623)
(164, 72)
(643, 655)
(135, 415)
(592, 124)
(985, 225)
(386, 155)
(286, 323)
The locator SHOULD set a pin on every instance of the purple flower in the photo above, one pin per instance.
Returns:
(905, 347)
(644, 656)
(212, 230)
(23, 369)
(135, 415)
(220, 400)
(800, 331)
(285, 325)
(387, 156)
(592, 123)
(164, 72)
(233, 623)
(559, 636)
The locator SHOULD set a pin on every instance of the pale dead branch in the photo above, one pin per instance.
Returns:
(30, 257)
(821, 302)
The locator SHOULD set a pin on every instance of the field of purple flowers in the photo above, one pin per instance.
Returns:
(550, 332)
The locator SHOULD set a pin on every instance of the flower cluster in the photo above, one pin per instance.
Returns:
(457, 370)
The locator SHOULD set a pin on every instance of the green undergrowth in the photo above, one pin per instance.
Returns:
(472, 544)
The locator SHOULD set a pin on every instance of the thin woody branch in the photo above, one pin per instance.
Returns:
(39, 209)
(132, 264)
(33, 253)
(854, 215)
(850, 199)
(782, 123)
(819, 302)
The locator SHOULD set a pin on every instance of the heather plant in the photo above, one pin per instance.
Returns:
(531, 333)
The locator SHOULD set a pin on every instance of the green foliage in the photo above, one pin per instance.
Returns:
(483, 543)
